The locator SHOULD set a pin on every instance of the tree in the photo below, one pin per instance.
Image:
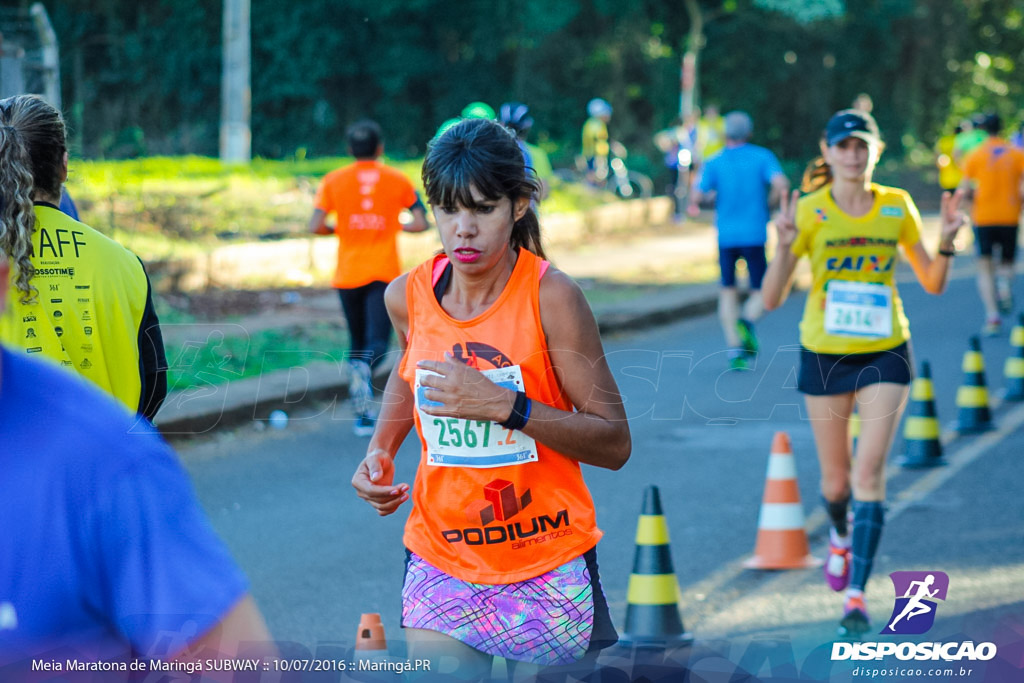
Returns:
(804, 11)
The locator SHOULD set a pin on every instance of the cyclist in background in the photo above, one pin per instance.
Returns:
(677, 143)
(596, 144)
(516, 117)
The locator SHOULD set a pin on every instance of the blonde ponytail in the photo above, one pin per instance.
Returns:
(817, 175)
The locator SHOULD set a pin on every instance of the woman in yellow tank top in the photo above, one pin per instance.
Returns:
(854, 334)
(503, 377)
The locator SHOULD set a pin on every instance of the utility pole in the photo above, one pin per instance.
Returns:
(50, 54)
(235, 135)
(689, 86)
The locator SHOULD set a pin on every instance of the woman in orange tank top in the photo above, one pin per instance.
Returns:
(504, 379)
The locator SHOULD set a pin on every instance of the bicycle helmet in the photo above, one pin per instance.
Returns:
(515, 116)
(599, 107)
(478, 110)
(445, 126)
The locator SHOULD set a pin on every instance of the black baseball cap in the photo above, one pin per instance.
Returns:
(851, 123)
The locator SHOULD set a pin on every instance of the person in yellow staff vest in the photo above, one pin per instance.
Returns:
(76, 296)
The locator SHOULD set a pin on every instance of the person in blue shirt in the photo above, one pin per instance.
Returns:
(742, 181)
(67, 204)
(105, 553)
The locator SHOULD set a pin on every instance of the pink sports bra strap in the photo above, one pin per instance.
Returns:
(439, 266)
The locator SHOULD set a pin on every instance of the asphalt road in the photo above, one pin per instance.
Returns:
(317, 556)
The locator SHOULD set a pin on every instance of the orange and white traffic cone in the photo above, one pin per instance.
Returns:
(781, 537)
(370, 636)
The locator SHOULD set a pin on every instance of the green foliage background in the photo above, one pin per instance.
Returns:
(142, 77)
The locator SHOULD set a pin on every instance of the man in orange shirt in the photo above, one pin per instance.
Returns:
(367, 199)
(992, 174)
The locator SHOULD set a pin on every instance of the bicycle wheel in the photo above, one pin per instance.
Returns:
(635, 186)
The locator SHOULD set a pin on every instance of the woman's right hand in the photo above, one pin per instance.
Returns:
(373, 482)
(785, 221)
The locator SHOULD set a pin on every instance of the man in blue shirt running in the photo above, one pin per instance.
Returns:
(743, 181)
(105, 554)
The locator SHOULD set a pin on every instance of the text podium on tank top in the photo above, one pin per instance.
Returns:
(490, 505)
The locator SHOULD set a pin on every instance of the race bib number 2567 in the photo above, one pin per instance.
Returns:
(455, 442)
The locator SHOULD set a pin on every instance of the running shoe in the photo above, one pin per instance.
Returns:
(992, 327)
(738, 363)
(855, 621)
(364, 425)
(1006, 302)
(837, 567)
(748, 340)
(360, 388)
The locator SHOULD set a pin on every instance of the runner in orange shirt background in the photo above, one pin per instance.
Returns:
(367, 198)
(993, 175)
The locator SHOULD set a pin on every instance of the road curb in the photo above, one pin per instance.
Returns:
(204, 409)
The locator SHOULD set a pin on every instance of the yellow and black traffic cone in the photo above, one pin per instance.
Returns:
(652, 610)
(972, 396)
(1013, 370)
(921, 429)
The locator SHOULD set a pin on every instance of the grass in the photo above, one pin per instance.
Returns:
(206, 354)
(166, 208)
(169, 207)
(219, 353)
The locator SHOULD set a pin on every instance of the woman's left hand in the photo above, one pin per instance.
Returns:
(464, 392)
(951, 215)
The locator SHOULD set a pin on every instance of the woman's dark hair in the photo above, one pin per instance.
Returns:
(482, 154)
(32, 148)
